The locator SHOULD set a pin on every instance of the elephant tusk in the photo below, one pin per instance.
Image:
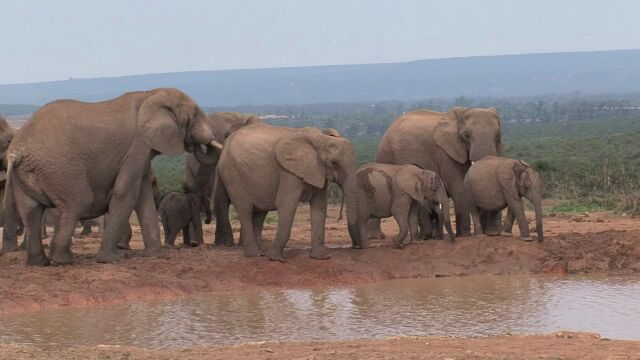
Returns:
(203, 147)
(216, 144)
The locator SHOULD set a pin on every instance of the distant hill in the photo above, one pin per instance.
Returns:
(485, 76)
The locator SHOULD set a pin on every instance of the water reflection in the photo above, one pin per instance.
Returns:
(465, 306)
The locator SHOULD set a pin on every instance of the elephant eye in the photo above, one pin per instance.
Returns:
(466, 135)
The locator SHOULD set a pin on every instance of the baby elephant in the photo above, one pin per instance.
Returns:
(386, 190)
(179, 210)
(494, 183)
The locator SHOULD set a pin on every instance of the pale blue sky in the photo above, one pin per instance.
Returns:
(52, 40)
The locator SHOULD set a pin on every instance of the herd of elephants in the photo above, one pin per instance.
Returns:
(81, 161)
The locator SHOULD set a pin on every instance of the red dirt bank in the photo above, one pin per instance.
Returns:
(598, 243)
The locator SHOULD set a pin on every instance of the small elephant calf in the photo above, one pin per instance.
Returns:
(386, 190)
(177, 212)
(494, 183)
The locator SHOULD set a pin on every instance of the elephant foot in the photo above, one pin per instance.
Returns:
(169, 246)
(194, 244)
(526, 238)
(38, 260)
(251, 251)
(62, 257)
(223, 239)
(506, 233)
(107, 257)
(123, 246)
(463, 233)
(492, 233)
(275, 256)
(7, 247)
(320, 253)
(154, 252)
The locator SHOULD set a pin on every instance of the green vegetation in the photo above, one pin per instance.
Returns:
(586, 149)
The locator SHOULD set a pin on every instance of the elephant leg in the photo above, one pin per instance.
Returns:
(374, 231)
(491, 222)
(462, 204)
(318, 206)
(61, 243)
(125, 238)
(32, 215)
(477, 224)
(123, 201)
(245, 214)
(287, 199)
(414, 214)
(10, 232)
(146, 211)
(186, 237)
(43, 227)
(197, 229)
(86, 228)
(224, 232)
(508, 223)
(518, 210)
(400, 213)
(170, 236)
(258, 223)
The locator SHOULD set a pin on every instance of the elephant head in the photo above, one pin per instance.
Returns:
(427, 189)
(318, 158)
(223, 124)
(470, 134)
(171, 122)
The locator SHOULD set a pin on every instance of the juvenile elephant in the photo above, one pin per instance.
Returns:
(200, 177)
(494, 183)
(446, 143)
(89, 158)
(386, 190)
(177, 212)
(264, 168)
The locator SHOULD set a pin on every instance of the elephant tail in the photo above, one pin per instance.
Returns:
(9, 204)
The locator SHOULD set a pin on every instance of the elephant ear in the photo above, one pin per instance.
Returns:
(255, 119)
(160, 126)
(508, 176)
(411, 184)
(295, 153)
(448, 138)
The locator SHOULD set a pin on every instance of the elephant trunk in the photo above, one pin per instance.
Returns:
(479, 150)
(444, 215)
(350, 192)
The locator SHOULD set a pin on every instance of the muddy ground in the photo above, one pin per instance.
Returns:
(602, 243)
(561, 345)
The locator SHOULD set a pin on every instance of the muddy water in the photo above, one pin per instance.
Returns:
(466, 306)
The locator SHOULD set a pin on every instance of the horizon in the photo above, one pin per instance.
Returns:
(324, 65)
(75, 39)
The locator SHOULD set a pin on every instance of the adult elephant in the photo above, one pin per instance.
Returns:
(200, 177)
(89, 158)
(264, 168)
(446, 143)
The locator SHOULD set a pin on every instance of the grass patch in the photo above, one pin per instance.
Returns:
(592, 204)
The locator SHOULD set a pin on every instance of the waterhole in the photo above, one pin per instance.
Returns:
(465, 306)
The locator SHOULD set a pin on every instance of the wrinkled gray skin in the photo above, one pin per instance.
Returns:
(200, 178)
(177, 212)
(400, 191)
(107, 168)
(494, 183)
(10, 225)
(51, 214)
(444, 143)
(264, 168)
